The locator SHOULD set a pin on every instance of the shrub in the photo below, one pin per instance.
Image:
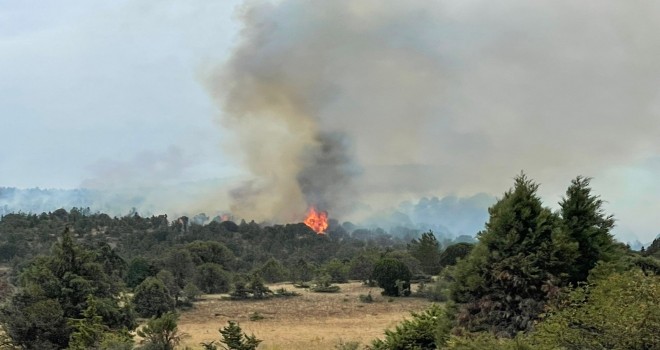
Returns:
(366, 298)
(393, 276)
(234, 339)
(256, 316)
(322, 285)
(212, 278)
(151, 298)
(161, 333)
(425, 331)
(619, 312)
(282, 292)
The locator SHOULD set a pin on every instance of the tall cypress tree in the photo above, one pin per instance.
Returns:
(587, 224)
(519, 259)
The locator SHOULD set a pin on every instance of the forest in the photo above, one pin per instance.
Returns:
(534, 278)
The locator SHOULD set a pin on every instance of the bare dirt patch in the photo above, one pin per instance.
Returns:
(309, 321)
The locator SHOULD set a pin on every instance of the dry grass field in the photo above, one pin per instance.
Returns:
(310, 321)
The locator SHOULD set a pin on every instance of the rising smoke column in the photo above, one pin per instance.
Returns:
(434, 96)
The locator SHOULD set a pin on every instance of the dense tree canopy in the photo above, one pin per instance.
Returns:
(519, 259)
(58, 288)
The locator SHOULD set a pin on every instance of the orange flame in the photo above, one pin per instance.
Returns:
(317, 220)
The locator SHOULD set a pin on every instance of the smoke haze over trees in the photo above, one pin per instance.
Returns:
(355, 107)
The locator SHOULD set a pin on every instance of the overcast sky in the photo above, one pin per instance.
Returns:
(111, 94)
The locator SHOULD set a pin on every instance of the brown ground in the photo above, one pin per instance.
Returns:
(310, 321)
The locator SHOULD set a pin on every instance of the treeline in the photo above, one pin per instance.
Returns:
(539, 279)
(281, 251)
(536, 278)
(73, 271)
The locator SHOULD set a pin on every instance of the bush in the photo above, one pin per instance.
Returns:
(282, 292)
(450, 256)
(366, 298)
(212, 278)
(393, 276)
(256, 316)
(151, 298)
(234, 339)
(620, 312)
(428, 330)
(322, 285)
(161, 333)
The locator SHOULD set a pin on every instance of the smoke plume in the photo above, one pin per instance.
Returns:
(421, 97)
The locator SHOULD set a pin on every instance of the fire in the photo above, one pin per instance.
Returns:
(317, 220)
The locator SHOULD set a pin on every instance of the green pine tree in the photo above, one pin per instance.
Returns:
(587, 224)
(519, 261)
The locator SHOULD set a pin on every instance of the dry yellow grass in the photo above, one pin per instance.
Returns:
(310, 321)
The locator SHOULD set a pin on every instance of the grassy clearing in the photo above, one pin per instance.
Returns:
(309, 321)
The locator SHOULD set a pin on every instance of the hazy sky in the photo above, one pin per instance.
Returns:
(111, 94)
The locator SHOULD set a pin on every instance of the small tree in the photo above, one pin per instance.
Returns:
(234, 339)
(161, 333)
(258, 288)
(587, 224)
(393, 276)
(151, 298)
(273, 271)
(450, 256)
(424, 331)
(426, 249)
(211, 278)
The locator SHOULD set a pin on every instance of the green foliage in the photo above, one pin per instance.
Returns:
(179, 262)
(484, 340)
(518, 263)
(427, 330)
(653, 250)
(56, 289)
(138, 270)
(426, 249)
(89, 332)
(323, 284)
(302, 271)
(234, 338)
(161, 333)
(361, 267)
(621, 311)
(191, 292)
(452, 253)
(437, 290)
(204, 252)
(256, 316)
(283, 292)
(366, 298)
(273, 271)
(337, 270)
(390, 274)
(209, 346)
(258, 288)
(212, 278)
(586, 224)
(254, 288)
(151, 298)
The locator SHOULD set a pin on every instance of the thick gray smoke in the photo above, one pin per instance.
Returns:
(434, 97)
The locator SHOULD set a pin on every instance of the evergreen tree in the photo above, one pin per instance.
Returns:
(161, 333)
(518, 261)
(234, 338)
(57, 289)
(152, 298)
(587, 224)
(393, 276)
(426, 249)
